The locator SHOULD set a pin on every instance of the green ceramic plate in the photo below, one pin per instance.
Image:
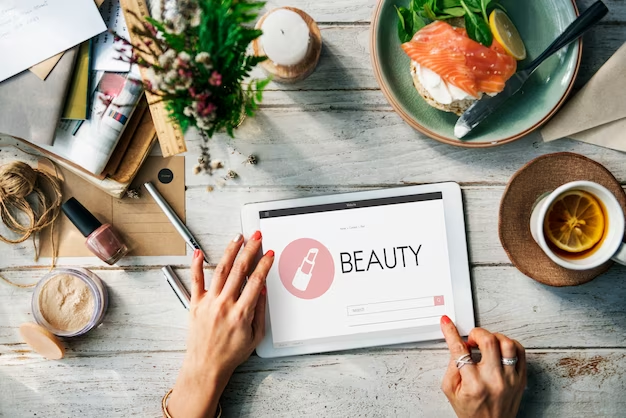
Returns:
(539, 23)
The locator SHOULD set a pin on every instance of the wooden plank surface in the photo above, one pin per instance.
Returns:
(589, 316)
(332, 133)
(214, 217)
(400, 383)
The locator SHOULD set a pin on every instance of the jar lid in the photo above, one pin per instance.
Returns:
(42, 341)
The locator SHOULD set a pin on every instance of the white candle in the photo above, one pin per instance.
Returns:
(285, 38)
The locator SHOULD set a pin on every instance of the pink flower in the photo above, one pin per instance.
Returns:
(205, 108)
(209, 109)
(203, 96)
(216, 79)
(181, 63)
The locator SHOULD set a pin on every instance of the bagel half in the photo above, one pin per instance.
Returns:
(458, 106)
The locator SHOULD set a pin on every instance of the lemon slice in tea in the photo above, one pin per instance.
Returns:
(575, 222)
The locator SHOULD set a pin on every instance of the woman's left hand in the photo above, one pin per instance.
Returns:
(226, 324)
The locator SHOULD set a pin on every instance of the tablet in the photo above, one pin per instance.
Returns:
(363, 269)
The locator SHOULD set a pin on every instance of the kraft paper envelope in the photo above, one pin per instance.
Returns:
(44, 68)
(141, 222)
(597, 114)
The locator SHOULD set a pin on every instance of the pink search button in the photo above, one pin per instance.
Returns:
(439, 301)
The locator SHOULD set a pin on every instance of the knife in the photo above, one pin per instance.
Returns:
(484, 107)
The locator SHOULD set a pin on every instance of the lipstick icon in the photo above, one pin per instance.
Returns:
(302, 278)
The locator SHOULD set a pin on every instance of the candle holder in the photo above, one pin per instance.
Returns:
(291, 73)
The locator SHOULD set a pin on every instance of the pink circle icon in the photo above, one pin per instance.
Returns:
(306, 268)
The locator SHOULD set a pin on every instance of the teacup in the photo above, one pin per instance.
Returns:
(611, 246)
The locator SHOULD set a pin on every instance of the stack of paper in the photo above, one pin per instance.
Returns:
(32, 31)
(72, 108)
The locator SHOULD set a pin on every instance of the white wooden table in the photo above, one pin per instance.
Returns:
(332, 133)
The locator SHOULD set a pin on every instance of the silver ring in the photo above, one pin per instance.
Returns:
(509, 361)
(463, 360)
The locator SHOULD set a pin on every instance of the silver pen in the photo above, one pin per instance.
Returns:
(177, 286)
(174, 219)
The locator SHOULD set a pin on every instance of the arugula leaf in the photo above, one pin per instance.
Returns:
(410, 20)
(405, 24)
(454, 12)
(472, 4)
(448, 4)
(420, 12)
(483, 5)
(477, 29)
(417, 5)
(418, 23)
(430, 14)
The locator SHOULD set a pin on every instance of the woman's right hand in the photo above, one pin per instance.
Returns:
(226, 324)
(487, 389)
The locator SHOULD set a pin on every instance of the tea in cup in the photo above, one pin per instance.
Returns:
(580, 226)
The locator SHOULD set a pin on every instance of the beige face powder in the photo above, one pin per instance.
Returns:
(66, 302)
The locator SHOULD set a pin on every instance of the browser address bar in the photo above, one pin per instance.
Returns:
(395, 311)
(396, 305)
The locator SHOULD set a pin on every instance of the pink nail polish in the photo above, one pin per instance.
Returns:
(445, 320)
(270, 253)
(102, 239)
(256, 236)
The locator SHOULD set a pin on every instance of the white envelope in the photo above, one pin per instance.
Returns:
(32, 31)
(597, 113)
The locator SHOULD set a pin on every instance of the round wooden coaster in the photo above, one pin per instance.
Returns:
(542, 175)
(292, 73)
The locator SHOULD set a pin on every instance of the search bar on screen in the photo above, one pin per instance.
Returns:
(394, 311)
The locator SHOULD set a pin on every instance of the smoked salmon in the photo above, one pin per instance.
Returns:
(459, 60)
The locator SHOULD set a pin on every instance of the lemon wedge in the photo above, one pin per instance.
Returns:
(505, 32)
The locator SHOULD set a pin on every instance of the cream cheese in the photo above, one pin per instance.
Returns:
(443, 92)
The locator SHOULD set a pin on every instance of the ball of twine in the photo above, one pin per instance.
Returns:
(30, 200)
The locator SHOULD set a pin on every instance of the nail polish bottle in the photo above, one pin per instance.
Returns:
(102, 239)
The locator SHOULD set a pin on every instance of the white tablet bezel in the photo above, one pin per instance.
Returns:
(457, 250)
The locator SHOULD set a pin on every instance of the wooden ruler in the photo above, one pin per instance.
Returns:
(170, 136)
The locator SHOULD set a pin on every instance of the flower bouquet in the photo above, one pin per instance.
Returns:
(196, 61)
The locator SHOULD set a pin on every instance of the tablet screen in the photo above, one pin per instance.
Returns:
(357, 269)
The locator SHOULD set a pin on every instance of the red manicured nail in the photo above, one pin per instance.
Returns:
(197, 254)
(264, 291)
(256, 236)
(270, 253)
(445, 320)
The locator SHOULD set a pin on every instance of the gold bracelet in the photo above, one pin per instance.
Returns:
(166, 414)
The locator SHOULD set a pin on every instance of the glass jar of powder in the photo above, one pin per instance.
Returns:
(69, 302)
